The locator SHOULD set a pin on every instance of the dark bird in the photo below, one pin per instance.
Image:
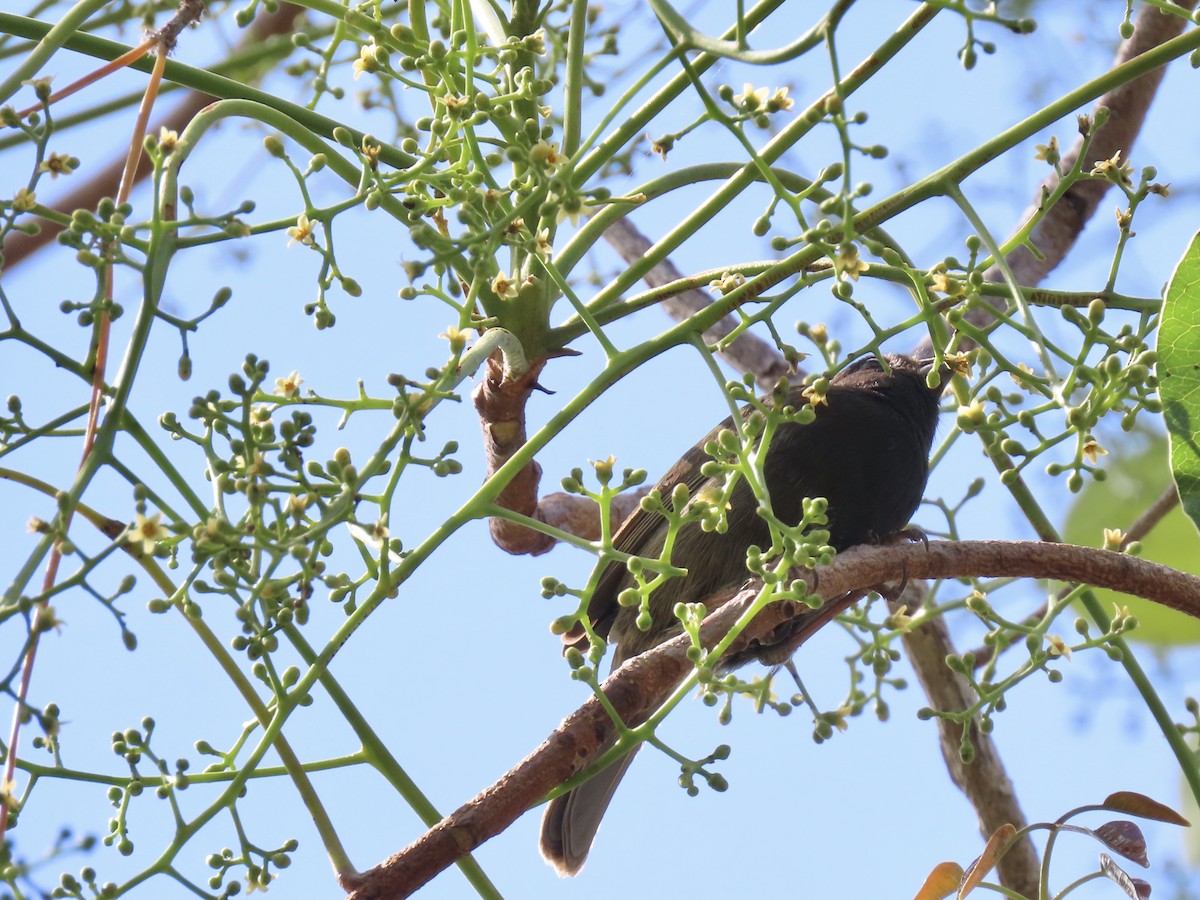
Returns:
(866, 452)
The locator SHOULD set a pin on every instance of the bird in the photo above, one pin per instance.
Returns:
(866, 451)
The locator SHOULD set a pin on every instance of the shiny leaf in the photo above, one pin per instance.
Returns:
(942, 882)
(996, 847)
(1125, 838)
(1143, 807)
(1134, 887)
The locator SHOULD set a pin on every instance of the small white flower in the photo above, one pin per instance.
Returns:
(147, 531)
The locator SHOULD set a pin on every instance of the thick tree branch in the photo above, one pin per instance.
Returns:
(1127, 105)
(1145, 523)
(748, 353)
(646, 680)
(1057, 232)
(984, 781)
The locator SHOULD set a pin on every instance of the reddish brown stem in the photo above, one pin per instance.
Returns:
(500, 403)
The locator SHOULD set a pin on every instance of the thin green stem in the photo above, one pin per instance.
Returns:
(573, 78)
(189, 76)
(376, 752)
(604, 151)
(683, 32)
(50, 38)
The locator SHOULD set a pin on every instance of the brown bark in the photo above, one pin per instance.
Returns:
(984, 780)
(1127, 105)
(500, 403)
(748, 353)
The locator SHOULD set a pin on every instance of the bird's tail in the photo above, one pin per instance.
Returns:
(570, 823)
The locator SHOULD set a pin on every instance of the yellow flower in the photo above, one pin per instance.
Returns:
(289, 386)
(209, 530)
(1114, 538)
(537, 41)
(570, 207)
(604, 468)
(943, 283)
(8, 795)
(1058, 647)
(46, 618)
(456, 336)
(546, 155)
(958, 363)
(453, 103)
(1093, 451)
(148, 531)
(541, 244)
(167, 139)
(25, 200)
(489, 196)
(366, 61)
(750, 99)
(848, 263)
(374, 536)
(1113, 169)
(57, 164)
(977, 603)
(298, 503)
(728, 281)
(1124, 217)
(1047, 151)
(838, 717)
(815, 397)
(971, 417)
(504, 287)
(252, 463)
(1021, 367)
(780, 100)
(302, 231)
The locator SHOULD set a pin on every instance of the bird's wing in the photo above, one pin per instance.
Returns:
(636, 536)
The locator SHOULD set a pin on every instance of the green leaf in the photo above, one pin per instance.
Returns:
(1138, 472)
(1179, 376)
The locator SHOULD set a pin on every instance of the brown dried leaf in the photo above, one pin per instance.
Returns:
(1125, 838)
(996, 847)
(1143, 807)
(942, 882)
(1134, 887)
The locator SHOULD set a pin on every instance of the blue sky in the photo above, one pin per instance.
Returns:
(459, 672)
